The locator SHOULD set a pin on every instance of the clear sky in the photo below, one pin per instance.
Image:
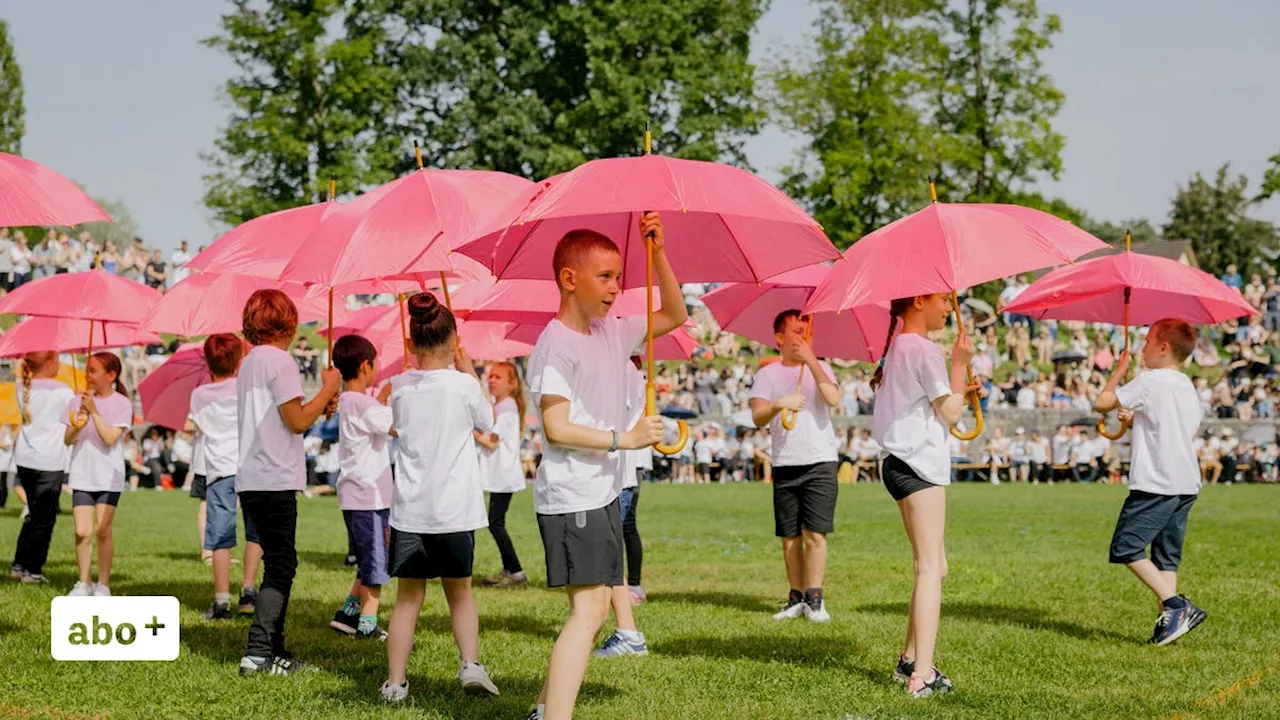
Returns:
(122, 96)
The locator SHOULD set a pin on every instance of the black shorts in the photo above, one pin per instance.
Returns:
(420, 556)
(804, 498)
(900, 480)
(89, 498)
(198, 487)
(1156, 520)
(583, 548)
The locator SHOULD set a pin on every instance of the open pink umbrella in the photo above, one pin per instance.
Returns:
(32, 194)
(166, 391)
(38, 334)
(92, 295)
(208, 303)
(946, 247)
(263, 246)
(748, 309)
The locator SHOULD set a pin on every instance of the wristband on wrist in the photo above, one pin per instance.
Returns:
(614, 446)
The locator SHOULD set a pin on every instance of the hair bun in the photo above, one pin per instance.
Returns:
(424, 307)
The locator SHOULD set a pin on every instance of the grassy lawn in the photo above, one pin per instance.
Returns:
(1036, 624)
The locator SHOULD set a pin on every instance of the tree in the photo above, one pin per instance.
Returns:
(122, 229)
(1213, 216)
(12, 112)
(536, 88)
(1141, 230)
(1270, 180)
(306, 106)
(994, 104)
(858, 102)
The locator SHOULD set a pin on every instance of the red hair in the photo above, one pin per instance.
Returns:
(223, 353)
(577, 245)
(269, 317)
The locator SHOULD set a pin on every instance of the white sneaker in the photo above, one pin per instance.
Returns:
(475, 679)
(26, 510)
(395, 693)
(791, 612)
(101, 591)
(81, 589)
(820, 615)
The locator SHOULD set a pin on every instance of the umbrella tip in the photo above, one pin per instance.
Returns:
(933, 191)
(648, 138)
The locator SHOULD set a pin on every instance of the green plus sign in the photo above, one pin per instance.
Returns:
(154, 626)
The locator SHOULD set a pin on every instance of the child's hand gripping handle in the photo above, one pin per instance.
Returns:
(1125, 424)
(975, 401)
(650, 408)
(79, 418)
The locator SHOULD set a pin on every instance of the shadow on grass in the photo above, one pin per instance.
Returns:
(438, 622)
(733, 601)
(442, 694)
(331, 560)
(1029, 618)
(817, 651)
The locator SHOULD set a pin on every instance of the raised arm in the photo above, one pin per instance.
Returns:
(673, 313)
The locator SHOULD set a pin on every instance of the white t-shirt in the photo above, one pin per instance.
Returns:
(40, 445)
(1038, 451)
(906, 425)
(6, 448)
(94, 466)
(1061, 449)
(197, 453)
(1026, 399)
(641, 459)
(591, 372)
(438, 488)
(363, 459)
(813, 440)
(1165, 422)
(1019, 450)
(271, 455)
(182, 449)
(500, 469)
(214, 412)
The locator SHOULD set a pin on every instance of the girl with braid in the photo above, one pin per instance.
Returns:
(917, 401)
(41, 458)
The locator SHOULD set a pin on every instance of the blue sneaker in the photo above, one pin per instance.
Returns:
(617, 646)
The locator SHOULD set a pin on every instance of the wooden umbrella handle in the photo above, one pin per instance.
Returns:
(78, 417)
(788, 418)
(975, 399)
(1124, 424)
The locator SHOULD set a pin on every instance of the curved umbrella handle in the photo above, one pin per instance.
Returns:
(650, 409)
(1102, 429)
(788, 420)
(975, 401)
(78, 418)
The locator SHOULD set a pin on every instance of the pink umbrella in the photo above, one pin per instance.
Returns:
(208, 303)
(263, 246)
(38, 334)
(946, 247)
(166, 391)
(32, 194)
(676, 346)
(748, 309)
(93, 295)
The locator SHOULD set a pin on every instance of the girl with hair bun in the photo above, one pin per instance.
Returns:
(437, 503)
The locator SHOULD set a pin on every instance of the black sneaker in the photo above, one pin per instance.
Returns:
(902, 673)
(253, 665)
(940, 685)
(1173, 623)
(219, 611)
(344, 623)
(248, 601)
(376, 633)
(1197, 615)
(288, 665)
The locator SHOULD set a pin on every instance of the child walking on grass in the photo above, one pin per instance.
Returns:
(41, 456)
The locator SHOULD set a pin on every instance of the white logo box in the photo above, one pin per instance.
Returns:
(114, 628)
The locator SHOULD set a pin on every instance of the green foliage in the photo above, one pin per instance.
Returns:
(1270, 180)
(1140, 228)
(1213, 216)
(12, 111)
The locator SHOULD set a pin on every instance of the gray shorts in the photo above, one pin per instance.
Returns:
(1156, 520)
(583, 548)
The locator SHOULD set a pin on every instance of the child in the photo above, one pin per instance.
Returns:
(917, 401)
(1038, 454)
(364, 485)
(214, 413)
(272, 418)
(578, 376)
(805, 462)
(500, 468)
(437, 504)
(41, 458)
(96, 475)
(627, 639)
(1164, 476)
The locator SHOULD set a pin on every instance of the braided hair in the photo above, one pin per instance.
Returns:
(897, 309)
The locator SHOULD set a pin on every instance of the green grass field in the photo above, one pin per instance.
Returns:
(1036, 624)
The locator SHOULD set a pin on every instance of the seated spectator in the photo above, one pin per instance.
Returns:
(1084, 463)
(996, 455)
(305, 356)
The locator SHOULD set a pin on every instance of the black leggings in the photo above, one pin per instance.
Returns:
(44, 489)
(4, 489)
(498, 504)
(631, 541)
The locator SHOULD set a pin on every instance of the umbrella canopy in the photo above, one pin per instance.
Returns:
(208, 303)
(408, 226)
(9, 414)
(749, 309)
(38, 334)
(722, 224)
(264, 245)
(166, 391)
(93, 295)
(32, 194)
(675, 412)
(946, 247)
(1159, 288)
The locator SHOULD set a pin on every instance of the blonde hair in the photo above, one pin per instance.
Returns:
(31, 362)
(518, 393)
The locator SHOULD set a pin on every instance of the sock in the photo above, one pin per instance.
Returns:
(367, 623)
(351, 606)
(542, 710)
(813, 596)
(1177, 602)
(251, 592)
(795, 597)
(633, 636)
(222, 598)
